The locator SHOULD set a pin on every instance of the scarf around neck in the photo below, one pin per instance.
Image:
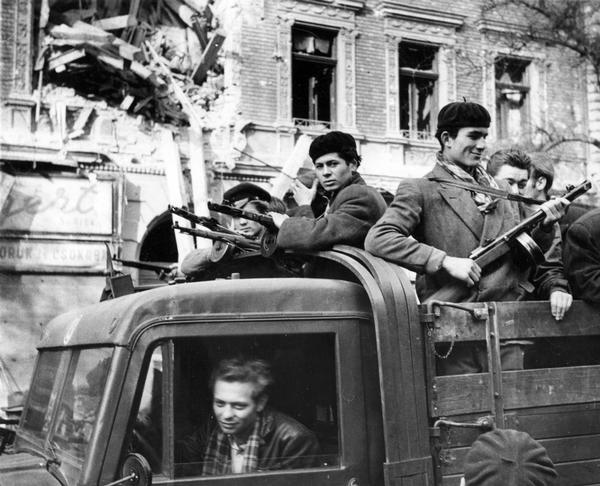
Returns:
(484, 202)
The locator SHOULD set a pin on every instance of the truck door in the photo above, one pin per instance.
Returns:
(318, 382)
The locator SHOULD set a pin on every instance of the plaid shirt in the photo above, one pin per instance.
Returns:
(217, 457)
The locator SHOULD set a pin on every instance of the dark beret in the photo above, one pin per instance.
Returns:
(332, 142)
(244, 192)
(463, 114)
(505, 456)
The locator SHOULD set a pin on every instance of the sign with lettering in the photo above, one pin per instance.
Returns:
(60, 205)
(45, 255)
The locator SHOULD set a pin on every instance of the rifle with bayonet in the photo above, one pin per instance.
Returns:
(516, 237)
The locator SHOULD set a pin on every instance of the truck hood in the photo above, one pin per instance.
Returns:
(24, 469)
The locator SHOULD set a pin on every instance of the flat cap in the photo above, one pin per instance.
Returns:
(463, 114)
(506, 457)
(244, 192)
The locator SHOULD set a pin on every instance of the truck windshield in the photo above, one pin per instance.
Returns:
(64, 401)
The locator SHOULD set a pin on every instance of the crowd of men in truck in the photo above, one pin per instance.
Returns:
(431, 227)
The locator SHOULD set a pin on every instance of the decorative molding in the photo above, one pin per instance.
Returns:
(392, 84)
(320, 13)
(499, 27)
(397, 11)
(23, 48)
(346, 93)
(284, 69)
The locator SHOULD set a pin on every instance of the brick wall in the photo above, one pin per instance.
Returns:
(561, 90)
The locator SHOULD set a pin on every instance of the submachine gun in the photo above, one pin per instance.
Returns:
(515, 238)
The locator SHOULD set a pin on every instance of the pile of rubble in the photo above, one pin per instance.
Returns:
(147, 57)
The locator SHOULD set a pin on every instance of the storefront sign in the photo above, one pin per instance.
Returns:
(39, 255)
(58, 205)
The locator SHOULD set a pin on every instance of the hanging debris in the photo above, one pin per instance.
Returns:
(101, 50)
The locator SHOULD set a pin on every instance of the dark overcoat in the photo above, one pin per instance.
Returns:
(582, 256)
(352, 211)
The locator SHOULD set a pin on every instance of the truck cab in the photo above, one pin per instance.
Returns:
(126, 381)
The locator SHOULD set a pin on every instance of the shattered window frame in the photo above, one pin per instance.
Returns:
(418, 89)
(511, 75)
(314, 75)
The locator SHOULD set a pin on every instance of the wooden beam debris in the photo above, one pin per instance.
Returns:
(80, 31)
(209, 56)
(58, 62)
(115, 23)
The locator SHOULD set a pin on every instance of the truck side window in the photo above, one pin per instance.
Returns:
(303, 397)
(147, 429)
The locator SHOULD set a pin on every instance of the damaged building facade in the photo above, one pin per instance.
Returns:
(111, 110)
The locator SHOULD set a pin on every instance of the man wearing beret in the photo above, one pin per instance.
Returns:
(507, 457)
(432, 226)
(339, 208)
(240, 195)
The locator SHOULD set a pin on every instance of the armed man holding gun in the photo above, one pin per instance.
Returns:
(433, 225)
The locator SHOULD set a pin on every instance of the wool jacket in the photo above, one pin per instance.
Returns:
(351, 212)
(582, 256)
(429, 219)
(284, 443)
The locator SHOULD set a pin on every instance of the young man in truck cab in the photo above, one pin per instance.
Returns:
(249, 435)
(533, 180)
(339, 208)
(433, 225)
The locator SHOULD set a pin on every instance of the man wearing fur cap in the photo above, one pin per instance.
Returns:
(339, 208)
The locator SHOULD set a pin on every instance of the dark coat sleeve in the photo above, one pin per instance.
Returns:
(582, 260)
(392, 237)
(355, 209)
(549, 275)
(196, 261)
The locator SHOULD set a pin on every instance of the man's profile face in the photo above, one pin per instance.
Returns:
(467, 147)
(333, 172)
(247, 227)
(516, 178)
(235, 408)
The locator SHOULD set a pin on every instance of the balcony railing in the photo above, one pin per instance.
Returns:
(416, 135)
(313, 124)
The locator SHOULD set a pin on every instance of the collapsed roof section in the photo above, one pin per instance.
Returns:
(141, 55)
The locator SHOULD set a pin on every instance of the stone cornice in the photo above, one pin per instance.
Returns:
(395, 10)
(499, 27)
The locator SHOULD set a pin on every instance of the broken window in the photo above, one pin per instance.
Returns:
(313, 76)
(512, 89)
(418, 89)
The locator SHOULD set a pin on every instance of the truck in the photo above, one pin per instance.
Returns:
(119, 387)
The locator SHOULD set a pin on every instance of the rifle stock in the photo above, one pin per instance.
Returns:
(484, 255)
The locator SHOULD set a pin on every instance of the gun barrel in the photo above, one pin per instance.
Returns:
(233, 239)
(210, 223)
(240, 213)
(144, 265)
